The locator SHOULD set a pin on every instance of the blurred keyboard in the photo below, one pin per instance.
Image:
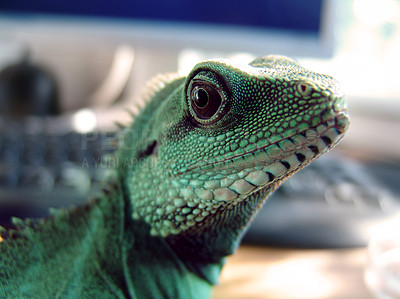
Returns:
(39, 170)
(330, 203)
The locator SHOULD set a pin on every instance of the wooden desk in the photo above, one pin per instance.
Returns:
(274, 273)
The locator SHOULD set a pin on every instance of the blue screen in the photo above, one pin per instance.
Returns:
(293, 15)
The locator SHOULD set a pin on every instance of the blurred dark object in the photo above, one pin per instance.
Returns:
(27, 89)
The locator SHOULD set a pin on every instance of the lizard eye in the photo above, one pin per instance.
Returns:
(205, 100)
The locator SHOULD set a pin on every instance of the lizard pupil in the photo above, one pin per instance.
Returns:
(200, 97)
(205, 100)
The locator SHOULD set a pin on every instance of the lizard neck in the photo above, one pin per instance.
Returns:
(141, 249)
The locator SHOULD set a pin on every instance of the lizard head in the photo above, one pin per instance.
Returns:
(209, 147)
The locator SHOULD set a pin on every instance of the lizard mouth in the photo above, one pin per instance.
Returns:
(233, 179)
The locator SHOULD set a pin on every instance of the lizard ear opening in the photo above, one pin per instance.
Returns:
(152, 149)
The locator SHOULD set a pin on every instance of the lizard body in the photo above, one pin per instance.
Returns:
(192, 170)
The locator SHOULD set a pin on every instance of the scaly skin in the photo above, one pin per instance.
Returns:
(193, 169)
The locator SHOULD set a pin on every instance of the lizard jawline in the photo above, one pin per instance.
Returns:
(254, 174)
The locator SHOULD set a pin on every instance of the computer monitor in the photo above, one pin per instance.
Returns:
(290, 27)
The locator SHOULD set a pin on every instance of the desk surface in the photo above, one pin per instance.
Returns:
(265, 273)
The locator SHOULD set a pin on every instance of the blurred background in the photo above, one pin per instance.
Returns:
(69, 69)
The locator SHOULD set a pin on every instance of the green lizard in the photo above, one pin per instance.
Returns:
(192, 170)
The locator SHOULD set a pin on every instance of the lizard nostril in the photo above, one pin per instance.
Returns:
(304, 89)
